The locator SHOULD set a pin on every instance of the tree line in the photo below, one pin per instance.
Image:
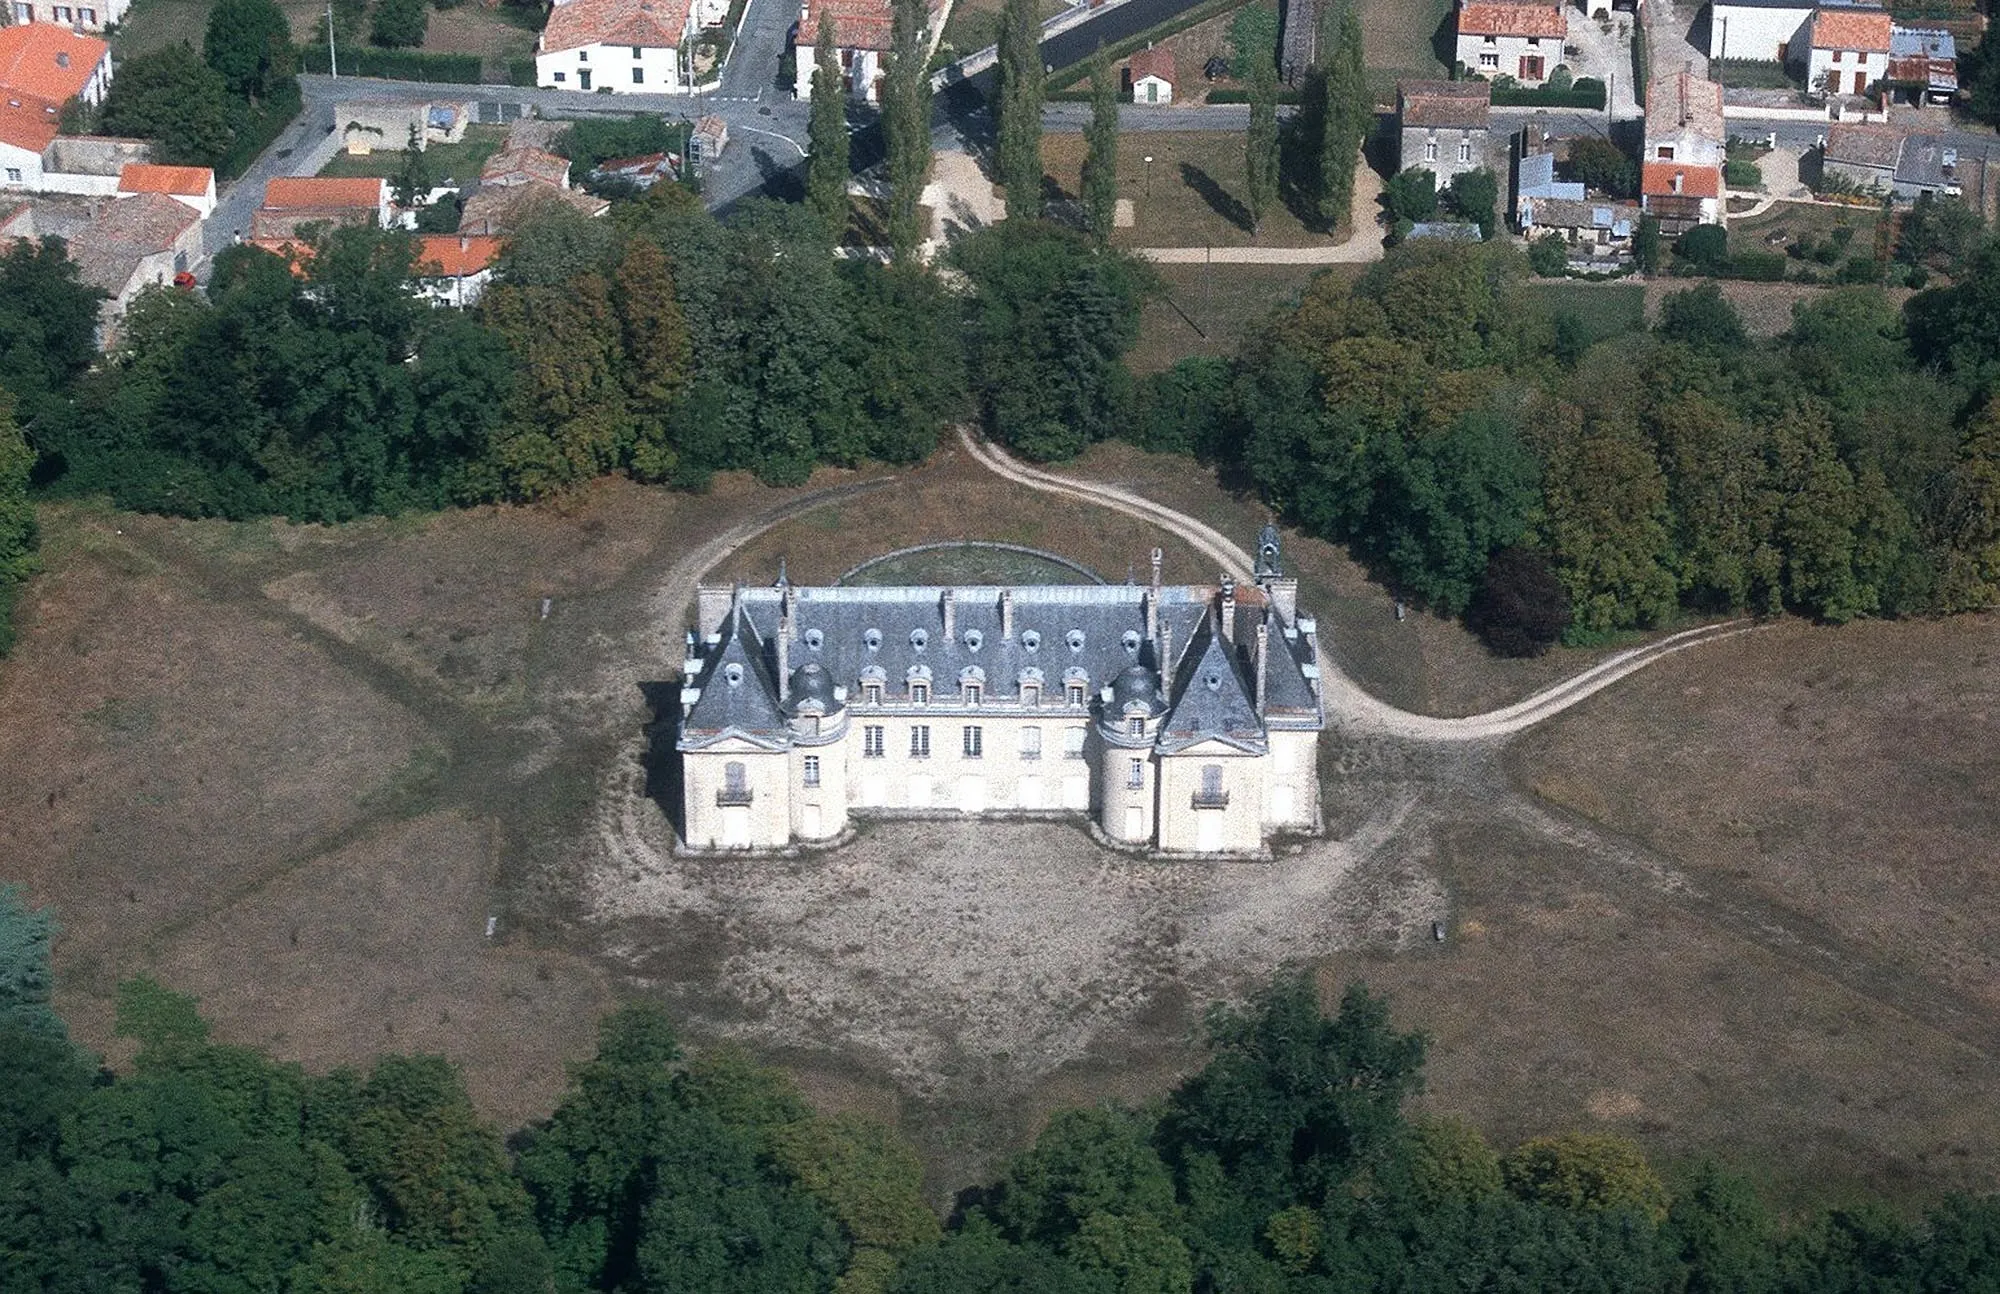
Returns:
(1458, 432)
(1287, 1164)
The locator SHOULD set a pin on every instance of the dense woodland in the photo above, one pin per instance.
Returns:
(1287, 1164)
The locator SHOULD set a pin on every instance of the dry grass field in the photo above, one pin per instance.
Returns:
(1730, 905)
(1189, 195)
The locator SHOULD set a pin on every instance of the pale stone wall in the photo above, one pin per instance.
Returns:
(1002, 777)
(1236, 828)
(765, 823)
(1292, 775)
(820, 812)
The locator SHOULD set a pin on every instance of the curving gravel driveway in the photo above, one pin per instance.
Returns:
(1347, 704)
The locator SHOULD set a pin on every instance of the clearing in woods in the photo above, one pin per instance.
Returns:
(294, 769)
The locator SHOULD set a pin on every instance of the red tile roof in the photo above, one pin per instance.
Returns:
(145, 177)
(287, 194)
(47, 61)
(297, 254)
(1657, 180)
(1861, 30)
(1496, 18)
(857, 24)
(457, 255)
(27, 122)
(1157, 61)
(653, 24)
(1459, 105)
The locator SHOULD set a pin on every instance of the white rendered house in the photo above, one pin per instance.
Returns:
(1182, 719)
(1504, 38)
(617, 46)
(863, 31)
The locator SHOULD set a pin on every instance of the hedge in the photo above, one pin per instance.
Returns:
(399, 65)
(1587, 92)
(521, 71)
(1064, 77)
(256, 129)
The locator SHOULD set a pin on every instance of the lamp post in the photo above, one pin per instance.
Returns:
(1149, 179)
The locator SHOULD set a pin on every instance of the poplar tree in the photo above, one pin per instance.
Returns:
(826, 169)
(906, 125)
(17, 518)
(1344, 113)
(1020, 98)
(1260, 157)
(656, 353)
(1100, 163)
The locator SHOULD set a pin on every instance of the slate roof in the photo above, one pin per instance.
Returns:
(1933, 162)
(1498, 18)
(1454, 105)
(651, 24)
(1093, 635)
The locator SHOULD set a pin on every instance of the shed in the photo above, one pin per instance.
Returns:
(1150, 75)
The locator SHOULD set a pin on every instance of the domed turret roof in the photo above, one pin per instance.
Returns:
(812, 688)
(1136, 685)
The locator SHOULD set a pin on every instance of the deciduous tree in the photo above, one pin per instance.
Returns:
(250, 43)
(171, 97)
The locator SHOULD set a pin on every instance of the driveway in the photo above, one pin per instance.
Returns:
(1606, 55)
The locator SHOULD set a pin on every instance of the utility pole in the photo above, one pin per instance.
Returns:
(332, 59)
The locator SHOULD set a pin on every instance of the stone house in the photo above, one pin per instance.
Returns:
(1442, 127)
(1511, 38)
(1847, 49)
(1182, 719)
(1680, 167)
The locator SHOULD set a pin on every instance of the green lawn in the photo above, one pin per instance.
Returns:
(1396, 36)
(460, 161)
(1212, 309)
(1606, 309)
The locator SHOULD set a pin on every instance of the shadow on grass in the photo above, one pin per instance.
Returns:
(1219, 199)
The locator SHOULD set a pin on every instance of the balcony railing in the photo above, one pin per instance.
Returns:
(1211, 799)
(730, 796)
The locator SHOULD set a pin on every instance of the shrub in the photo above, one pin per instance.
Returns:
(1705, 247)
(1521, 608)
(1548, 256)
(1765, 267)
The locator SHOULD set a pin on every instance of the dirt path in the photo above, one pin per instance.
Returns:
(1347, 704)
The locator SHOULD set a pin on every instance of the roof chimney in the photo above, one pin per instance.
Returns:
(62, 58)
(1006, 615)
(784, 646)
(1153, 603)
(1229, 609)
(1263, 654)
(950, 618)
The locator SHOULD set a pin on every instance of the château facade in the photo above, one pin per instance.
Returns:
(1183, 718)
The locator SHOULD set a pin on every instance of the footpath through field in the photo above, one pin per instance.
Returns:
(1347, 704)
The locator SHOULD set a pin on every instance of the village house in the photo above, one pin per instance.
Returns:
(53, 64)
(292, 204)
(92, 17)
(1882, 159)
(1847, 49)
(1183, 719)
(1442, 127)
(1150, 75)
(454, 269)
(517, 181)
(1511, 38)
(641, 172)
(1680, 168)
(121, 246)
(1923, 63)
(862, 33)
(192, 186)
(1758, 31)
(619, 46)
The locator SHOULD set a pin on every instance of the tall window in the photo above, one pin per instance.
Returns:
(1075, 693)
(1430, 150)
(871, 741)
(638, 76)
(1031, 695)
(1072, 743)
(1031, 743)
(1135, 775)
(974, 741)
(972, 691)
(1135, 727)
(872, 693)
(920, 741)
(1211, 779)
(1464, 151)
(920, 694)
(812, 770)
(735, 784)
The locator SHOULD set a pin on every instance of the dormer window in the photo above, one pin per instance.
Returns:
(974, 640)
(1074, 692)
(920, 638)
(732, 674)
(872, 693)
(872, 640)
(972, 691)
(1031, 695)
(1075, 639)
(1030, 640)
(815, 639)
(920, 693)
(1135, 727)
(1131, 641)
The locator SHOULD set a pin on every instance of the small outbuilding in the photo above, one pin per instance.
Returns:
(1149, 74)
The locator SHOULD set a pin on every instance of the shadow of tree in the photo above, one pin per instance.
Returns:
(1219, 199)
(1444, 41)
